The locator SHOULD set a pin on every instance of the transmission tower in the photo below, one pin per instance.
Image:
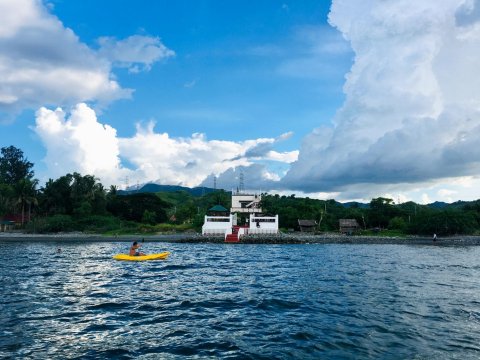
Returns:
(241, 184)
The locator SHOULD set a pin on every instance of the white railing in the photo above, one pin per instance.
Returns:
(263, 224)
(262, 231)
(217, 225)
(245, 210)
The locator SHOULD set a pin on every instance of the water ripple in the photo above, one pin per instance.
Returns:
(240, 302)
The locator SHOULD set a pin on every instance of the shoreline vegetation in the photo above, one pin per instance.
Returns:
(195, 238)
(76, 203)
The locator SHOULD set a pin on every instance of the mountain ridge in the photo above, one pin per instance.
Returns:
(203, 190)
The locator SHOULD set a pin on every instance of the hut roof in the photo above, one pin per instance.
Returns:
(307, 222)
(348, 222)
(218, 208)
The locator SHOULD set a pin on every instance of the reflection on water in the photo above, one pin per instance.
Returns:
(239, 301)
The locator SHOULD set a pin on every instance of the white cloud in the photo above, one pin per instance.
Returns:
(412, 111)
(286, 157)
(257, 178)
(425, 199)
(44, 63)
(79, 142)
(188, 161)
(15, 14)
(137, 52)
(263, 149)
(446, 192)
(190, 84)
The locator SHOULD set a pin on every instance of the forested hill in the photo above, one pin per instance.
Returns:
(200, 191)
(156, 188)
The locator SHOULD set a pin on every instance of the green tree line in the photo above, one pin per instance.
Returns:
(76, 202)
(380, 214)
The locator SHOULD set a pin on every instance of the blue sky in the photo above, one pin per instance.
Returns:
(225, 79)
(329, 100)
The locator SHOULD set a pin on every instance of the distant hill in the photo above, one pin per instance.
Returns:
(438, 205)
(355, 204)
(199, 191)
(443, 205)
(155, 188)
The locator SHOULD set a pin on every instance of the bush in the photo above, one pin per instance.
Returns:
(149, 217)
(99, 223)
(56, 223)
(397, 223)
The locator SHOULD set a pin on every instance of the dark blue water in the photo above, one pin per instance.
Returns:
(240, 302)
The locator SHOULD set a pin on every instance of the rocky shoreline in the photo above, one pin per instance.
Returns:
(296, 238)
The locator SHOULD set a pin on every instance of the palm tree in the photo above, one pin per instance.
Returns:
(25, 191)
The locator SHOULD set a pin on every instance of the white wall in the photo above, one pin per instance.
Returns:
(237, 199)
(265, 225)
(217, 225)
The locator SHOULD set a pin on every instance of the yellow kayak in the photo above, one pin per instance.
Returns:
(125, 257)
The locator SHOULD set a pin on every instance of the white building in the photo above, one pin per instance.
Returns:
(227, 225)
(246, 203)
(259, 224)
(218, 225)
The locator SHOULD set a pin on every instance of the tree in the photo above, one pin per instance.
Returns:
(14, 167)
(7, 197)
(185, 212)
(397, 223)
(381, 211)
(149, 217)
(132, 207)
(444, 222)
(56, 196)
(113, 190)
(26, 194)
(74, 194)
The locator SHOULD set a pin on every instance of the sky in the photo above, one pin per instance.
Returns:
(328, 99)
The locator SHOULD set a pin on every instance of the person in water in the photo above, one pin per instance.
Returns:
(134, 250)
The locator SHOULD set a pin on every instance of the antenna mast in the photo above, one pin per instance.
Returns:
(241, 185)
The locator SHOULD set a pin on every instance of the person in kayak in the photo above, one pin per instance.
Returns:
(134, 250)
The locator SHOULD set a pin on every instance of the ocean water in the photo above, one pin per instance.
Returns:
(210, 301)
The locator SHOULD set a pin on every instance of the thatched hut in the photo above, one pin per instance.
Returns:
(307, 225)
(348, 226)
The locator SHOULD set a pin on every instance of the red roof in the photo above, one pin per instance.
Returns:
(15, 218)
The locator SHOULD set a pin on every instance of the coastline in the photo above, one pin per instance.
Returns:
(300, 238)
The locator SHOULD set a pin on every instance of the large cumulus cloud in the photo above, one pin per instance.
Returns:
(78, 141)
(411, 110)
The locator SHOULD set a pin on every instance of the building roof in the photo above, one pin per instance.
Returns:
(307, 222)
(348, 222)
(218, 208)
